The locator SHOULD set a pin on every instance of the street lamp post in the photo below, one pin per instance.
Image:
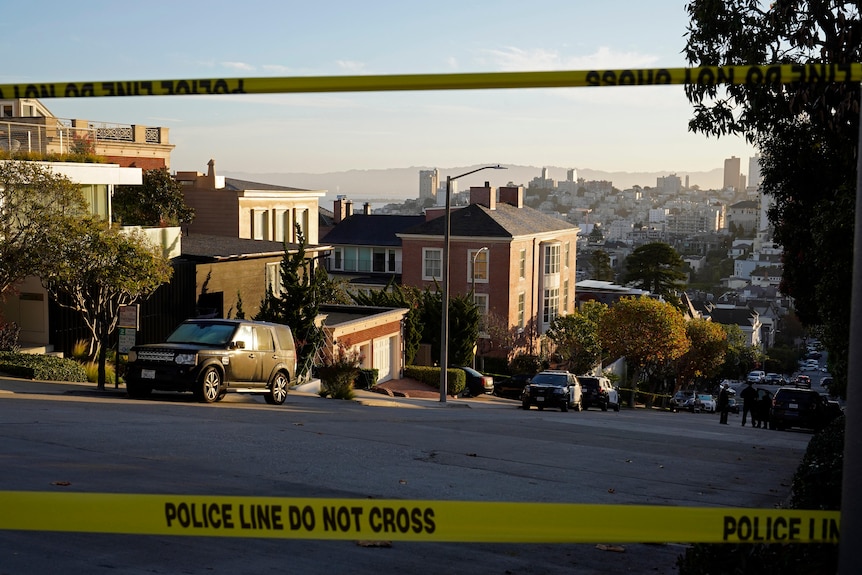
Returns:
(444, 319)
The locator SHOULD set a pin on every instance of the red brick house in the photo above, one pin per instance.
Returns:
(520, 261)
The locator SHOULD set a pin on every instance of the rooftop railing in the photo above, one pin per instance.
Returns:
(63, 136)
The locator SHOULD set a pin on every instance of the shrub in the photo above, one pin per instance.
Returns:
(42, 367)
(91, 368)
(524, 363)
(338, 373)
(366, 378)
(456, 380)
(9, 337)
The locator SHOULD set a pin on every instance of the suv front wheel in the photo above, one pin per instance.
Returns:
(210, 385)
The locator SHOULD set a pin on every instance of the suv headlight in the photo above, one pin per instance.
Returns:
(186, 359)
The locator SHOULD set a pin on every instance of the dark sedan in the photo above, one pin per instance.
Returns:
(511, 387)
(477, 384)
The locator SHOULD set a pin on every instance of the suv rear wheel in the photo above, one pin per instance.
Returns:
(278, 390)
(210, 385)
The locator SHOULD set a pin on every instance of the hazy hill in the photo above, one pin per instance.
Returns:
(397, 184)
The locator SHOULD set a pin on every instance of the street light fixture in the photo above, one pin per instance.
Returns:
(444, 319)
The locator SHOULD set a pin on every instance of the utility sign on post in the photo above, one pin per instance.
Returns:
(128, 324)
(127, 321)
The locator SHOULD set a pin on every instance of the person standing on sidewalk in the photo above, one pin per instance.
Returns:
(749, 397)
(723, 403)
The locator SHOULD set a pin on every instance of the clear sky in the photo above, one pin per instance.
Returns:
(613, 129)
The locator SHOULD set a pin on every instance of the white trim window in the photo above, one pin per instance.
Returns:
(273, 277)
(522, 264)
(521, 309)
(432, 264)
(481, 301)
(550, 305)
(338, 259)
(552, 259)
(479, 272)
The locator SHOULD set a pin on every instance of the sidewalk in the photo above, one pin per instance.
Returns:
(394, 393)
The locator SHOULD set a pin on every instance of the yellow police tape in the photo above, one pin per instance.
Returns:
(457, 521)
(705, 75)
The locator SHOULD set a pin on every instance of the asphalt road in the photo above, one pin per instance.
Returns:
(485, 449)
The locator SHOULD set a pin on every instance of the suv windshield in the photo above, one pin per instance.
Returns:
(207, 333)
(558, 379)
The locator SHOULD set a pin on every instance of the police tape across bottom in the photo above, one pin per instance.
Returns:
(458, 521)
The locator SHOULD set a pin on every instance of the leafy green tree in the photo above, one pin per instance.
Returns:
(706, 354)
(656, 267)
(602, 269)
(296, 305)
(158, 201)
(394, 295)
(35, 206)
(576, 336)
(648, 333)
(807, 134)
(331, 289)
(464, 320)
(95, 269)
(741, 357)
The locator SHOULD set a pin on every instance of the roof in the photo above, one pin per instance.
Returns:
(506, 221)
(742, 316)
(207, 248)
(371, 229)
(745, 205)
(236, 185)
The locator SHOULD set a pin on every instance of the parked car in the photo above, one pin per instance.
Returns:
(598, 392)
(553, 388)
(680, 400)
(211, 357)
(774, 379)
(802, 381)
(805, 408)
(477, 384)
(511, 387)
(704, 402)
(756, 376)
(732, 405)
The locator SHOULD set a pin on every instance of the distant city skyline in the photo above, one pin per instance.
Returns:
(621, 129)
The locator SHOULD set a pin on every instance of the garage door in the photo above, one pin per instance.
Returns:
(383, 358)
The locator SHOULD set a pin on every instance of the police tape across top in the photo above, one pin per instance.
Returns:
(454, 521)
(705, 75)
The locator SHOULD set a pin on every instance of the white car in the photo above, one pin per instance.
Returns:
(705, 402)
(756, 376)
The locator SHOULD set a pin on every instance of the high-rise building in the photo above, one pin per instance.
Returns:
(732, 173)
(572, 175)
(429, 181)
(754, 176)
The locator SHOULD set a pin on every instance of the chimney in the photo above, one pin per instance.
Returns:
(486, 196)
(339, 209)
(349, 209)
(512, 195)
(366, 208)
(211, 175)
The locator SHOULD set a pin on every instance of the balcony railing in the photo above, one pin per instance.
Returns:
(63, 136)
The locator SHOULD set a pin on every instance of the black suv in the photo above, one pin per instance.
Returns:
(210, 357)
(793, 407)
(598, 392)
(553, 389)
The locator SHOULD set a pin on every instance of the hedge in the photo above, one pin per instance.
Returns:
(41, 367)
(456, 380)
